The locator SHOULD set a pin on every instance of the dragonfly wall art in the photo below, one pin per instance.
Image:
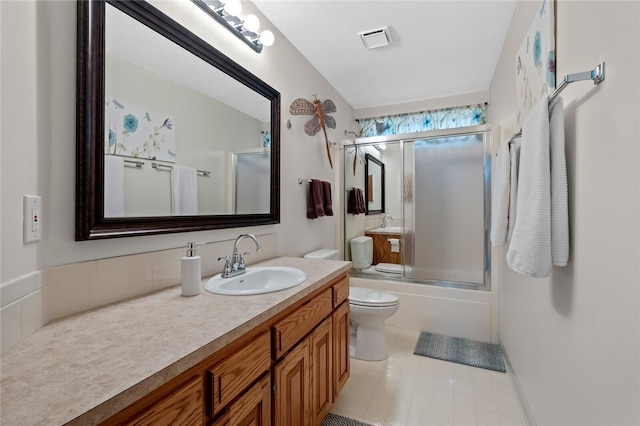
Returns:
(320, 120)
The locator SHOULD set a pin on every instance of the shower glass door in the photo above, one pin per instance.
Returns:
(447, 214)
(437, 187)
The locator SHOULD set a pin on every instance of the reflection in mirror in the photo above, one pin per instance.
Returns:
(165, 122)
(250, 188)
(374, 184)
(182, 114)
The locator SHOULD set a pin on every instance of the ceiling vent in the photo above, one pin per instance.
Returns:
(376, 38)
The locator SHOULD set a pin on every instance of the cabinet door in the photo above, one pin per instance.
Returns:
(252, 408)
(291, 382)
(183, 407)
(341, 366)
(321, 371)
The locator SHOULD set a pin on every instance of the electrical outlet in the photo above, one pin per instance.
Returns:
(32, 221)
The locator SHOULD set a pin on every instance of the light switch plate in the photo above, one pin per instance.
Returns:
(32, 218)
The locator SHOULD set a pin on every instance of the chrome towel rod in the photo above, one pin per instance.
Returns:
(157, 166)
(137, 164)
(301, 181)
(596, 74)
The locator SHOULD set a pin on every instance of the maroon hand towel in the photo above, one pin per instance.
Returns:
(315, 201)
(326, 190)
(311, 208)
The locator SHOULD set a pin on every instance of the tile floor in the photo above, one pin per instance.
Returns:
(408, 390)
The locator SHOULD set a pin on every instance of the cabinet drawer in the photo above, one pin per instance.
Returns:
(291, 329)
(235, 373)
(340, 291)
(183, 407)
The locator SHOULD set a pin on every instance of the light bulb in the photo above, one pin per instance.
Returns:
(251, 23)
(267, 38)
(233, 7)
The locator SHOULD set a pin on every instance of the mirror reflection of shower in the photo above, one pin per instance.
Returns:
(433, 226)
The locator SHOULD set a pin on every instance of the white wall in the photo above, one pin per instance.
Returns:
(573, 339)
(38, 136)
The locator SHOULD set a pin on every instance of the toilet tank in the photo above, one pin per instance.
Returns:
(324, 254)
(361, 252)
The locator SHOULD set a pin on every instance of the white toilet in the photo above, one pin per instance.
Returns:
(369, 309)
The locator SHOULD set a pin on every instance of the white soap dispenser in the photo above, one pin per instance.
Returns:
(191, 272)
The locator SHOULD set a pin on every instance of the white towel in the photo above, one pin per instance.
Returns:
(500, 196)
(113, 186)
(530, 249)
(514, 153)
(559, 191)
(184, 183)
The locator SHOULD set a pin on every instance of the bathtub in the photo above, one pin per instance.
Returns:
(470, 314)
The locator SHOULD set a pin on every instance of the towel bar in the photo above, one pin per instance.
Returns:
(158, 166)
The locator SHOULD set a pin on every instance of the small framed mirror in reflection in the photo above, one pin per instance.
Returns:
(374, 185)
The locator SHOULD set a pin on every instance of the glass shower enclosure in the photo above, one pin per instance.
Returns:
(437, 191)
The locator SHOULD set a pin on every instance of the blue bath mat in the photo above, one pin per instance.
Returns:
(461, 351)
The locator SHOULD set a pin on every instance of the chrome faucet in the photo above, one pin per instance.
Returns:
(235, 265)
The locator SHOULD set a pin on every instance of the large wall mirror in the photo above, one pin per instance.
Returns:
(374, 185)
(172, 135)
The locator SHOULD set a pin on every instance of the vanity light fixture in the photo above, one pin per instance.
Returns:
(227, 13)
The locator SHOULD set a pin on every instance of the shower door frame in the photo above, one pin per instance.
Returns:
(435, 134)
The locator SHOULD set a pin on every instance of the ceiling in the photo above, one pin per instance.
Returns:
(439, 48)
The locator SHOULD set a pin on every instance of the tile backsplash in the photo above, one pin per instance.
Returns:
(35, 299)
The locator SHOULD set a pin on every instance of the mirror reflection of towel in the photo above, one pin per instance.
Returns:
(184, 182)
(355, 201)
(113, 186)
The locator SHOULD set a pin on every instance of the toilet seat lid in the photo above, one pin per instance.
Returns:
(368, 297)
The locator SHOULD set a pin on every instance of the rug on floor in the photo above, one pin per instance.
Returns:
(336, 420)
(461, 351)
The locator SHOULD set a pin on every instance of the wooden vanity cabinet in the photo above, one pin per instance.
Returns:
(307, 379)
(286, 371)
(382, 248)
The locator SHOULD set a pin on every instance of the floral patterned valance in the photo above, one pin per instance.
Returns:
(438, 119)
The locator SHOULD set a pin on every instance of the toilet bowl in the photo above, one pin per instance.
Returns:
(368, 308)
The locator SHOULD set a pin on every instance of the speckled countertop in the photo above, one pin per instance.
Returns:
(87, 367)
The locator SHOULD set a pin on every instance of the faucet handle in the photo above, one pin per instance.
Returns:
(241, 256)
(227, 265)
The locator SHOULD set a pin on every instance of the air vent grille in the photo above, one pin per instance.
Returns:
(376, 38)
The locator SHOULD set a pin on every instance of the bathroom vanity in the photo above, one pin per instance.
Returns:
(275, 358)
(382, 248)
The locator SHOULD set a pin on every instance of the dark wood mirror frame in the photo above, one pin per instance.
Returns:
(367, 185)
(90, 100)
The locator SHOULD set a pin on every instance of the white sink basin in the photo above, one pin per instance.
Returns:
(387, 230)
(258, 280)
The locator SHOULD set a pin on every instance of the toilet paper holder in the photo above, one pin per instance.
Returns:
(395, 244)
